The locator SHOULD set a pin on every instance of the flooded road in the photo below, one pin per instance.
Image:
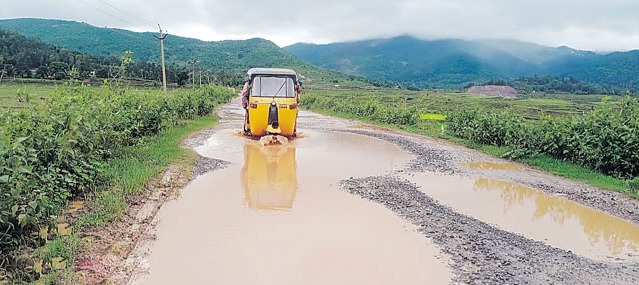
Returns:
(347, 203)
(276, 216)
(554, 220)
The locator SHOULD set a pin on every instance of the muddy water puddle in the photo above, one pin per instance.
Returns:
(554, 220)
(276, 216)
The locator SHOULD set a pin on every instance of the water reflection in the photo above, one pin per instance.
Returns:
(269, 176)
(618, 235)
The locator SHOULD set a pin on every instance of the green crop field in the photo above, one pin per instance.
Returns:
(21, 92)
(531, 106)
(16, 95)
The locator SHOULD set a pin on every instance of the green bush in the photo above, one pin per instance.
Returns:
(633, 185)
(496, 128)
(606, 140)
(372, 110)
(55, 151)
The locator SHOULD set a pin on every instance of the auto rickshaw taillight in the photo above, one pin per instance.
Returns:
(292, 106)
(253, 106)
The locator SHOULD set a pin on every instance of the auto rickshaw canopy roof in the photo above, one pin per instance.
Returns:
(271, 71)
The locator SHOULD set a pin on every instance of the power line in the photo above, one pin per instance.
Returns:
(130, 35)
(138, 18)
(109, 14)
(43, 2)
(106, 13)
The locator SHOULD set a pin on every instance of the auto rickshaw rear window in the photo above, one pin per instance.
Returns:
(272, 86)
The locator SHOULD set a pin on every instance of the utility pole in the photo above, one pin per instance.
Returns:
(161, 38)
(200, 77)
(193, 74)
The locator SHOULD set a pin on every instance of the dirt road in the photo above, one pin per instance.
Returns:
(431, 213)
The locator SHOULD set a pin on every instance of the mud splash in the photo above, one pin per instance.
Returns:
(554, 220)
(276, 216)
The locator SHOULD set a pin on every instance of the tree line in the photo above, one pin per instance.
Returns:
(30, 57)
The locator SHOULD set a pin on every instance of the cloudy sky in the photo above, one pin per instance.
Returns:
(602, 25)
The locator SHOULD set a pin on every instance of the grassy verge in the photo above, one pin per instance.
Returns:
(542, 162)
(579, 173)
(126, 176)
(131, 171)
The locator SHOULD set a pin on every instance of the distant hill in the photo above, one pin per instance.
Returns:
(457, 62)
(404, 59)
(236, 56)
(30, 57)
(619, 69)
(555, 84)
(538, 55)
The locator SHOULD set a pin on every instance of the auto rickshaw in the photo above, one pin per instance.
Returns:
(270, 98)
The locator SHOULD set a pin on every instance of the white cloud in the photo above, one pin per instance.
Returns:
(585, 24)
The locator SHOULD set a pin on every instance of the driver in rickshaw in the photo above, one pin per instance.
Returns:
(247, 86)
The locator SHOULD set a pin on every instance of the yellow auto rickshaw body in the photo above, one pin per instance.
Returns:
(272, 99)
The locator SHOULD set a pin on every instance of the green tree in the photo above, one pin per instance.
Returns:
(182, 77)
(58, 70)
(42, 72)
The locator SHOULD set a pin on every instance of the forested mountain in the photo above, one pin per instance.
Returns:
(402, 59)
(405, 60)
(619, 69)
(29, 57)
(536, 54)
(458, 62)
(554, 84)
(234, 56)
